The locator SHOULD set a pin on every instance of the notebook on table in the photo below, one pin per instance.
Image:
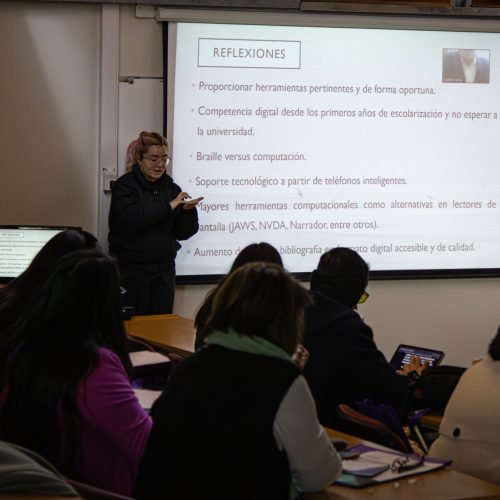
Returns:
(404, 352)
(375, 465)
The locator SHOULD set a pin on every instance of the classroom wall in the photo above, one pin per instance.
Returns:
(49, 91)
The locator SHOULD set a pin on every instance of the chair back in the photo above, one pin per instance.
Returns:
(357, 422)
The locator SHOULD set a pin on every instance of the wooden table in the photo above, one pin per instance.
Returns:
(173, 333)
(442, 484)
(168, 332)
(431, 421)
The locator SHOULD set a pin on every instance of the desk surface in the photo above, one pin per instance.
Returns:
(432, 421)
(174, 333)
(168, 332)
(442, 484)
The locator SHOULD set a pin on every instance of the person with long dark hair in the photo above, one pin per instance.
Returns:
(65, 388)
(148, 216)
(20, 293)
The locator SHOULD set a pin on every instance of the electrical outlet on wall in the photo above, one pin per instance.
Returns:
(108, 177)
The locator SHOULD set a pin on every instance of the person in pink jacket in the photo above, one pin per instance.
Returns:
(65, 390)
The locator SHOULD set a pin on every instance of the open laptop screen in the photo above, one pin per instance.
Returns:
(403, 353)
(19, 244)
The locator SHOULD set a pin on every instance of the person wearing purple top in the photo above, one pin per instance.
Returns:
(65, 391)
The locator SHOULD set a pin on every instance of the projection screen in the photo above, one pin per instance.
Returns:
(382, 140)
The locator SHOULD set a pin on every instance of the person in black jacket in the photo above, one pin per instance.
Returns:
(148, 214)
(344, 363)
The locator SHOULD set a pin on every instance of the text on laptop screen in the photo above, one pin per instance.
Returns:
(18, 246)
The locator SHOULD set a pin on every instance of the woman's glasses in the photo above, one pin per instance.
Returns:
(164, 160)
(363, 297)
(403, 463)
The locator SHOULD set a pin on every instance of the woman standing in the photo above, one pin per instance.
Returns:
(149, 213)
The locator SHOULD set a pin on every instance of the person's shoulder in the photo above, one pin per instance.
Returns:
(186, 366)
(486, 369)
(108, 367)
(330, 309)
(216, 355)
(128, 176)
(109, 359)
(343, 329)
(127, 179)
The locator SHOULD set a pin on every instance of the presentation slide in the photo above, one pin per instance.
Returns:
(385, 141)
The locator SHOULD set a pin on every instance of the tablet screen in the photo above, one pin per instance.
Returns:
(403, 354)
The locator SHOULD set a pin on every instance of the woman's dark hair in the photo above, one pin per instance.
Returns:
(255, 252)
(19, 294)
(494, 347)
(261, 300)
(78, 310)
(342, 275)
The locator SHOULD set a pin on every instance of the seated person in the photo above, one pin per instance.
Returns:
(238, 413)
(255, 252)
(344, 363)
(25, 289)
(65, 390)
(19, 294)
(468, 433)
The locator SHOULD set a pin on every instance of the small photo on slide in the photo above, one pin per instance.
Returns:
(466, 66)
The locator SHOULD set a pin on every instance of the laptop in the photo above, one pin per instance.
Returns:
(403, 353)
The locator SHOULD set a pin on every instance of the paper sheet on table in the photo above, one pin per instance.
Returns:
(142, 358)
(368, 464)
(147, 397)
